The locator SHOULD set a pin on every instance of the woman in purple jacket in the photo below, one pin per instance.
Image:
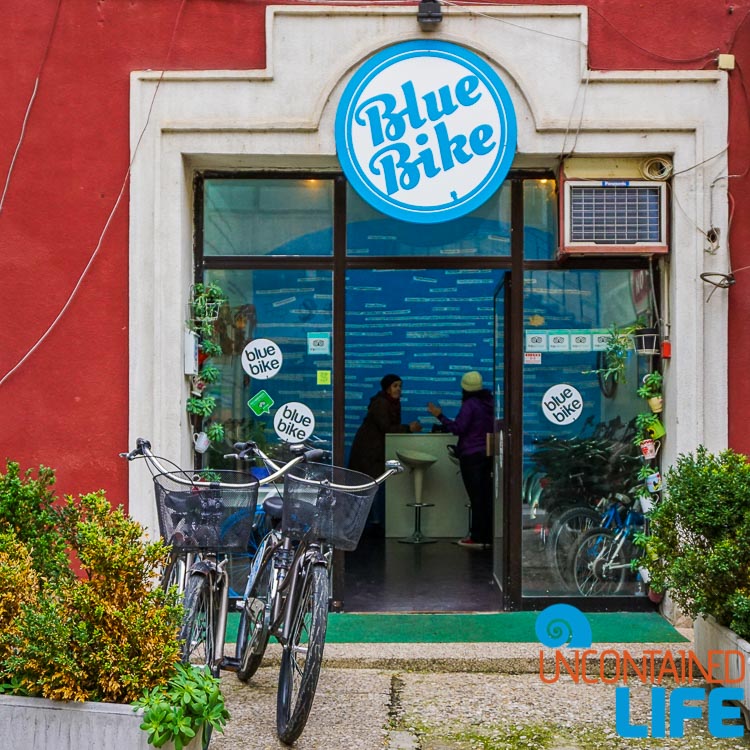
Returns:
(473, 422)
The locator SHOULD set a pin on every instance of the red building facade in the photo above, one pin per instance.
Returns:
(113, 110)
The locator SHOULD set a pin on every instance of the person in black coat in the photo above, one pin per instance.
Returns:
(368, 448)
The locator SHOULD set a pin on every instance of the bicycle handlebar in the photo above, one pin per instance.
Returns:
(246, 450)
(143, 450)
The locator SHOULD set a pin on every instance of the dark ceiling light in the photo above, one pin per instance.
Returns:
(429, 14)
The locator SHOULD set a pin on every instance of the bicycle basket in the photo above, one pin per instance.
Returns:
(316, 510)
(195, 515)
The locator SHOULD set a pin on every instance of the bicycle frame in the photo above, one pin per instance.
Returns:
(624, 531)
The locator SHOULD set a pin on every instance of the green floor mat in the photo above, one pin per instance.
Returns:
(503, 627)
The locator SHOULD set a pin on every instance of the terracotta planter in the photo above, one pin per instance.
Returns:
(42, 724)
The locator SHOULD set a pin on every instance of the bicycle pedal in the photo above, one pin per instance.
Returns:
(230, 664)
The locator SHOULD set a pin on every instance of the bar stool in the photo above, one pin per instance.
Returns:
(454, 458)
(418, 462)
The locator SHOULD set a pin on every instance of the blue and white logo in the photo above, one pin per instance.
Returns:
(425, 131)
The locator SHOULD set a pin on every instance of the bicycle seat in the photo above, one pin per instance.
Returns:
(273, 506)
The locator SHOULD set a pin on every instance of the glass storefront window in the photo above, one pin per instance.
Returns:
(579, 454)
(267, 217)
(539, 219)
(483, 232)
(292, 309)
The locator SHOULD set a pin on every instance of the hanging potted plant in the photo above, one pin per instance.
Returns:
(613, 359)
(651, 391)
(648, 426)
(205, 305)
(646, 340)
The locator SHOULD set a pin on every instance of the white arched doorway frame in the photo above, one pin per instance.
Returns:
(281, 117)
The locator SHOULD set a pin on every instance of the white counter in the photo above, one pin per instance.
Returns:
(442, 486)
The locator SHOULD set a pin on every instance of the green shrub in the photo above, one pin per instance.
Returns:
(27, 511)
(700, 537)
(107, 634)
(103, 636)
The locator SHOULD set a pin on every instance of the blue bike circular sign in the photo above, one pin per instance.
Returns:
(425, 131)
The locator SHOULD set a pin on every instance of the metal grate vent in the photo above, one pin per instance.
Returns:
(615, 215)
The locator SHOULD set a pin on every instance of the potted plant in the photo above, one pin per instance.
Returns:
(206, 301)
(613, 359)
(651, 391)
(84, 633)
(647, 425)
(646, 340)
(698, 535)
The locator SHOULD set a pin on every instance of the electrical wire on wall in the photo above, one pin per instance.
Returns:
(111, 215)
(22, 135)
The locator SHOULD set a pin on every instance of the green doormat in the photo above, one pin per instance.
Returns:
(503, 627)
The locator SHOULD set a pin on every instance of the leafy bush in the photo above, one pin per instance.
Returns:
(107, 634)
(700, 537)
(104, 636)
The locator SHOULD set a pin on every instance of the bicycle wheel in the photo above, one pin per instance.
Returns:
(302, 656)
(565, 533)
(174, 573)
(197, 631)
(599, 564)
(252, 633)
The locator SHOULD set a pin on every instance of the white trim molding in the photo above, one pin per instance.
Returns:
(282, 117)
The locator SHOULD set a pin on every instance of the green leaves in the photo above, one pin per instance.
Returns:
(177, 712)
(700, 537)
(103, 635)
(202, 406)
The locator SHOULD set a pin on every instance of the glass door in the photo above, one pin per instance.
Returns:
(498, 444)
(582, 468)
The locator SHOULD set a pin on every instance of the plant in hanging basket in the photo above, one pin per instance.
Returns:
(646, 340)
(645, 424)
(201, 406)
(205, 303)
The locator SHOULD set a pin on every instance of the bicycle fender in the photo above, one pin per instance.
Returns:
(203, 567)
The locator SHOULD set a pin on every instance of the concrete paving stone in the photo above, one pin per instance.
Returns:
(449, 697)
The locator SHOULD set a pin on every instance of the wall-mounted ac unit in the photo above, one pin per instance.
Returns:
(613, 217)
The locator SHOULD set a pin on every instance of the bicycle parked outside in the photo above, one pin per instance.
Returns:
(323, 507)
(206, 519)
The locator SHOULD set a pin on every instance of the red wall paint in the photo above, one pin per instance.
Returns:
(67, 404)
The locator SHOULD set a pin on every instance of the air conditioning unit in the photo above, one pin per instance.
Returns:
(613, 217)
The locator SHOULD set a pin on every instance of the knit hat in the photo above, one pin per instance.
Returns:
(471, 381)
(388, 381)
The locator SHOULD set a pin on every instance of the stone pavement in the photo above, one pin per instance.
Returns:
(474, 696)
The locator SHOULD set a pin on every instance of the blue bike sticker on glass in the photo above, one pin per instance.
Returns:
(426, 131)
